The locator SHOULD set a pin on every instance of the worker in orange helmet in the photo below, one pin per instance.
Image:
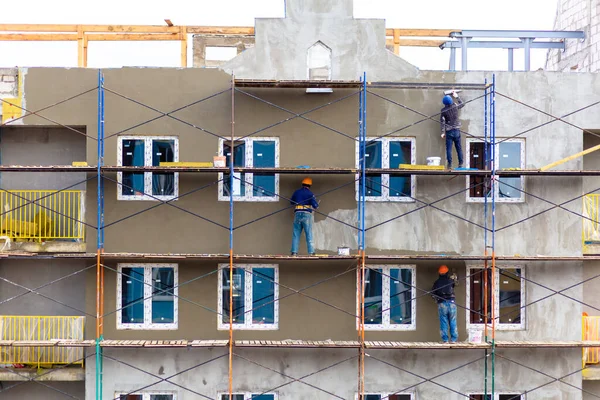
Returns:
(443, 294)
(305, 202)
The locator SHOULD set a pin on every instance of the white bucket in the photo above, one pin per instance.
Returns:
(433, 160)
(343, 251)
(475, 335)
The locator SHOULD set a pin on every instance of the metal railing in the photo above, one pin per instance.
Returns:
(590, 236)
(41, 328)
(590, 330)
(42, 214)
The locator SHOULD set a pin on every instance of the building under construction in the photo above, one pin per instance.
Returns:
(135, 266)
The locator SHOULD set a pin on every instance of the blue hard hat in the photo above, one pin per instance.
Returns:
(447, 100)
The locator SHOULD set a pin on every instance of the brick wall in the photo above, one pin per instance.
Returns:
(577, 15)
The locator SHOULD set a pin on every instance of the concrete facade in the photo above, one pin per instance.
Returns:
(202, 42)
(327, 309)
(579, 56)
(8, 82)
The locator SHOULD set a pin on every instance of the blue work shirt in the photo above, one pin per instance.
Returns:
(303, 198)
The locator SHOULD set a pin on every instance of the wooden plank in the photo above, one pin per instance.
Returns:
(570, 158)
(421, 32)
(183, 36)
(37, 37)
(126, 37)
(221, 30)
(413, 43)
(38, 28)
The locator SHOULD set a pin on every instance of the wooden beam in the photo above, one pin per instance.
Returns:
(131, 28)
(37, 28)
(206, 30)
(415, 43)
(104, 37)
(221, 30)
(421, 32)
(37, 37)
(397, 41)
(184, 46)
(570, 158)
(80, 47)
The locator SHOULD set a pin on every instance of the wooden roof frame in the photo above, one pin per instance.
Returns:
(83, 34)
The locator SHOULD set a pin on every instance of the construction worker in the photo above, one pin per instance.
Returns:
(305, 202)
(443, 293)
(451, 127)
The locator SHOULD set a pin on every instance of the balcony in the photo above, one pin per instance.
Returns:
(42, 220)
(18, 362)
(590, 330)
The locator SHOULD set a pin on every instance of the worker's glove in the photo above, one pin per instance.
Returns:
(454, 277)
(443, 135)
(454, 94)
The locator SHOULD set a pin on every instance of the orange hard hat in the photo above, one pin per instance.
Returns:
(443, 269)
(307, 181)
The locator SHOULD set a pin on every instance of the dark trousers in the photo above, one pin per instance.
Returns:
(453, 136)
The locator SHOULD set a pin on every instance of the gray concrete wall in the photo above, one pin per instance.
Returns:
(41, 146)
(328, 311)
(385, 371)
(303, 143)
(60, 287)
(592, 390)
(45, 391)
(357, 45)
(8, 83)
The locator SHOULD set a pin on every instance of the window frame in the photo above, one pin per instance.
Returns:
(308, 61)
(496, 293)
(385, 325)
(498, 199)
(385, 164)
(147, 299)
(147, 174)
(497, 395)
(248, 325)
(248, 177)
(248, 395)
(146, 395)
(386, 394)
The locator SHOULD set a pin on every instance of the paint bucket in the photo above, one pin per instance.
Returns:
(219, 161)
(434, 161)
(343, 251)
(475, 335)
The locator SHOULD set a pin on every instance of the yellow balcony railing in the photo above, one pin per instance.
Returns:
(590, 330)
(41, 328)
(42, 215)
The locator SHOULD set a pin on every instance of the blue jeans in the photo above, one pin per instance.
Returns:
(453, 136)
(303, 220)
(447, 313)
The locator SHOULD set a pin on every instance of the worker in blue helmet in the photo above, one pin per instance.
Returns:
(449, 119)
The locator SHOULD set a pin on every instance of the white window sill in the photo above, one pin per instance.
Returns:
(249, 327)
(369, 327)
(504, 200)
(146, 198)
(499, 327)
(253, 199)
(147, 327)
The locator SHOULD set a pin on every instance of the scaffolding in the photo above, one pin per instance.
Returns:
(363, 89)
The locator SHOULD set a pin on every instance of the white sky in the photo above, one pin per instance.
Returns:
(452, 14)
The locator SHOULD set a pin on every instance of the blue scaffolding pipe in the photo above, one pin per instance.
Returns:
(493, 185)
(100, 232)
